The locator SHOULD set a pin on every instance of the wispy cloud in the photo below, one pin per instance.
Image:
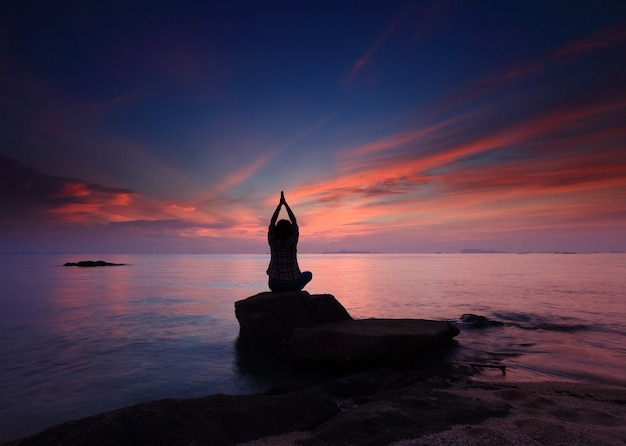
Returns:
(541, 170)
(507, 77)
(606, 38)
(399, 139)
(376, 46)
(137, 137)
(243, 173)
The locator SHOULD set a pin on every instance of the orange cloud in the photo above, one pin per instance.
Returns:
(554, 180)
(74, 189)
(83, 202)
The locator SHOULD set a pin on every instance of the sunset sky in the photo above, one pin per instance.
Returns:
(392, 126)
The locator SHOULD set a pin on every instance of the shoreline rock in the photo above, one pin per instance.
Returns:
(318, 330)
(385, 406)
(216, 420)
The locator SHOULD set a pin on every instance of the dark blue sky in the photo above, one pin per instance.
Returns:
(391, 126)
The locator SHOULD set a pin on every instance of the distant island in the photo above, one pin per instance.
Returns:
(89, 263)
(346, 251)
(493, 251)
(481, 251)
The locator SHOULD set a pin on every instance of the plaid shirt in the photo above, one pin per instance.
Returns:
(283, 263)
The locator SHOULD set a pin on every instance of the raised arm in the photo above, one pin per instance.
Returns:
(277, 211)
(289, 212)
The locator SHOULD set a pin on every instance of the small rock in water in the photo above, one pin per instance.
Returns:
(92, 263)
(477, 321)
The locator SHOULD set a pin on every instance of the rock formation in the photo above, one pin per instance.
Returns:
(212, 420)
(369, 341)
(318, 329)
(270, 318)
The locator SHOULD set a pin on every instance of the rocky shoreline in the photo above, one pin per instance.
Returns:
(378, 382)
(412, 406)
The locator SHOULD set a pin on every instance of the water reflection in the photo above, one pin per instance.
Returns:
(78, 341)
(94, 339)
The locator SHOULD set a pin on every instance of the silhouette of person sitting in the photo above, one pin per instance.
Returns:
(283, 271)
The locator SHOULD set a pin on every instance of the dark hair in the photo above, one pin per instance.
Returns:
(283, 229)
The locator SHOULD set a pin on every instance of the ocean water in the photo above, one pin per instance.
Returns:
(78, 341)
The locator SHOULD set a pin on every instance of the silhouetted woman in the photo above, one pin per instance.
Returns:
(283, 271)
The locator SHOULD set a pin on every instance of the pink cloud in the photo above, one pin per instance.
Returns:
(558, 177)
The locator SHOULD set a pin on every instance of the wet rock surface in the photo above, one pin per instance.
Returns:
(214, 420)
(369, 341)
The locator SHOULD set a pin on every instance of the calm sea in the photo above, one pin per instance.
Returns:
(78, 341)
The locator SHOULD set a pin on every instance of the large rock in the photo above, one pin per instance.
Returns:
(369, 341)
(214, 420)
(271, 318)
(318, 329)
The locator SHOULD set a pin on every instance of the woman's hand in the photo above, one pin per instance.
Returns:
(277, 211)
(289, 212)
